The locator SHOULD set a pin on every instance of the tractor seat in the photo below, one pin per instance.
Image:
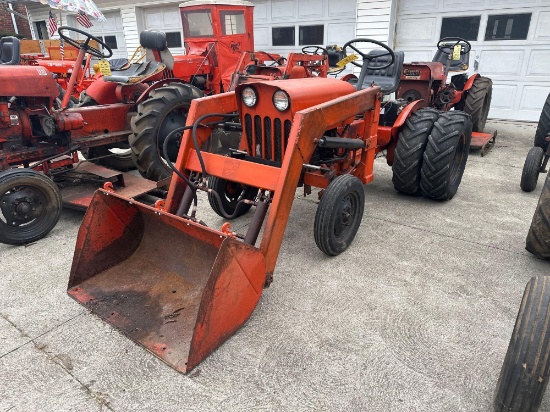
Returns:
(387, 79)
(119, 64)
(157, 58)
(9, 50)
(456, 65)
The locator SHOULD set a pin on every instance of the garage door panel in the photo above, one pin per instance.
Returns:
(539, 63)
(340, 33)
(533, 97)
(260, 11)
(261, 37)
(282, 9)
(504, 96)
(310, 8)
(416, 30)
(418, 56)
(418, 5)
(501, 62)
(542, 32)
(451, 4)
(153, 19)
(342, 7)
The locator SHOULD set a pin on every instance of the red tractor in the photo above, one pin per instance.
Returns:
(161, 262)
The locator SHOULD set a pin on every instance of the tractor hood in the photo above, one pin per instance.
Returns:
(34, 81)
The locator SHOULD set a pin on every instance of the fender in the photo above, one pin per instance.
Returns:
(470, 82)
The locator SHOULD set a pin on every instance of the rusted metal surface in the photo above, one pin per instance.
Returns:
(175, 287)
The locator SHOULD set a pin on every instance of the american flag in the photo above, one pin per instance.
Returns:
(83, 19)
(62, 49)
(52, 24)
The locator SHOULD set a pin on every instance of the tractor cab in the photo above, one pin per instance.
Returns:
(215, 33)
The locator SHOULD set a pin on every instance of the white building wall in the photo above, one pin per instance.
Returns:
(376, 20)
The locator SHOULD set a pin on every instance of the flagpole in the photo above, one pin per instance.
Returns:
(60, 45)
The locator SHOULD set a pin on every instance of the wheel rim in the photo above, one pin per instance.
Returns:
(22, 207)
(460, 153)
(346, 215)
(173, 120)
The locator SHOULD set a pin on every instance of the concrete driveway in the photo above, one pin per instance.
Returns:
(415, 316)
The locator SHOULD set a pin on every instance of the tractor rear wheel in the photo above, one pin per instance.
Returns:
(339, 214)
(524, 374)
(117, 156)
(30, 206)
(413, 138)
(161, 113)
(230, 194)
(446, 155)
(538, 237)
(478, 102)
(543, 128)
(531, 169)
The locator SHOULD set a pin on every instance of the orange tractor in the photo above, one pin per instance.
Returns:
(180, 288)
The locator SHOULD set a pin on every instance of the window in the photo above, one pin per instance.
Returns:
(465, 27)
(41, 30)
(508, 26)
(283, 36)
(173, 39)
(232, 22)
(197, 24)
(311, 35)
(109, 41)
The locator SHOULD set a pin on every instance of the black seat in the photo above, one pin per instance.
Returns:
(388, 78)
(456, 65)
(9, 50)
(157, 58)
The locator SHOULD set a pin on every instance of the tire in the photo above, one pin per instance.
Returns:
(543, 127)
(531, 169)
(339, 214)
(538, 237)
(118, 158)
(162, 112)
(21, 190)
(411, 144)
(478, 102)
(230, 193)
(524, 374)
(446, 155)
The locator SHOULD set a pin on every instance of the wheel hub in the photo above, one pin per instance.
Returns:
(20, 205)
(344, 217)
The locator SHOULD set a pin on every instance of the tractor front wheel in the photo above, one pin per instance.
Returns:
(446, 155)
(413, 138)
(543, 127)
(339, 214)
(524, 374)
(478, 102)
(230, 194)
(160, 114)
(30, 206)
(531, 169)
(538, 237)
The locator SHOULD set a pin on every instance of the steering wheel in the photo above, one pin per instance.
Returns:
(447, 45)
(314, 50)
(366, 57)
(85, 45)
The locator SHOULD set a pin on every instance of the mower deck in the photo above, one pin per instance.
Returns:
(483, 141)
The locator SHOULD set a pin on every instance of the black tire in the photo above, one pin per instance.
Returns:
(478, 102)
(30, 206)
(230, 194)
(446, 155)
(162, 112)
(524, 374)
(543, 127)
(413, 138)
(339, 214)
(117, 156)
(538, 237)
(531, 169)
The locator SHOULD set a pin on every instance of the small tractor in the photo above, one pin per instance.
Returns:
(537, 157)
(136, 266)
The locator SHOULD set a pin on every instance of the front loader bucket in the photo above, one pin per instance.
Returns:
(174, 286)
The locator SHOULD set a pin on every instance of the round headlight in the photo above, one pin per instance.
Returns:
(249, 96)
(281, 100)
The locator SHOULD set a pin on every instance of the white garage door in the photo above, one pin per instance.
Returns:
(510, 44)
(287, 25)
(168, 20)
(110, 31)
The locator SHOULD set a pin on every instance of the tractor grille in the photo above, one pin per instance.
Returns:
(266, 138)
